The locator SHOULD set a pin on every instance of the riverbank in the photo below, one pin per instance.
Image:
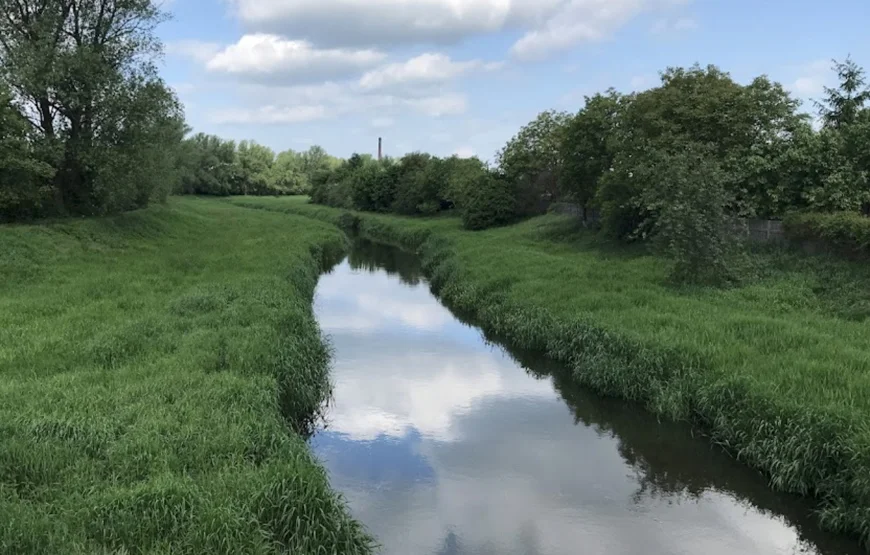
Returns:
(776, 371)
(160, 370)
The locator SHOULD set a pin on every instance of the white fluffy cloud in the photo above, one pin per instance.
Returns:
(272, 58)
(424, 69)
(550, 25)
(813, 78)
(577, 21)
(367, 22)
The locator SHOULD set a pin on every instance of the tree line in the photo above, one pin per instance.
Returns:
(213, 166)
(88, 127)
(679, 165)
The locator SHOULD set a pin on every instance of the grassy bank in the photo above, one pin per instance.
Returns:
(158, 371)
(777, 371)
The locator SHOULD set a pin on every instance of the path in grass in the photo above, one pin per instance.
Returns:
(778, 370)
(153, 369)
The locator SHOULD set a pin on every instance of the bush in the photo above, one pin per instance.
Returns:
(373, 186)
(491, 201)
(683, 193)
(412, 184)
(849, 231)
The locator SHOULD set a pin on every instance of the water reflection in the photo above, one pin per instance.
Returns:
(443, 443)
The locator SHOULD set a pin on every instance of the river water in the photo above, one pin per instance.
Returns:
(446, 443)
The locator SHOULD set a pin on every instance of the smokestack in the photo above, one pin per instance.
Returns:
(380, 152)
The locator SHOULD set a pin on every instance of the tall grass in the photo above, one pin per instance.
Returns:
(776, 371)
(158, 371)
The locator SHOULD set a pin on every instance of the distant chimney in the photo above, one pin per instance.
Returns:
(380, 152)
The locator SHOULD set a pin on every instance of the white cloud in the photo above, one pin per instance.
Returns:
(464, 152)
(812, 78)
(577, 21)
(270, 115)
(808, 85)
(275, 59)
(550, 25)
(381, 22)
(313, 102)
(641, 82)
(424, 69)
(200, 51)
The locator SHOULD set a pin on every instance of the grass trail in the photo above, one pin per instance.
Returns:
(156, 372)
(778, 370)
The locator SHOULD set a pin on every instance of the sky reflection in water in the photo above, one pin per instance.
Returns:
(443, 444)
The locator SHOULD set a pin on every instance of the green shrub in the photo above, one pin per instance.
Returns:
(683, 192)
(491, 201)
(849, 231)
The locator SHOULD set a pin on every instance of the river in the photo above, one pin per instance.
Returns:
(444, 442)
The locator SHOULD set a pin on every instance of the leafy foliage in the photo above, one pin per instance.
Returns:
(848, 231)
(533, 161)
(490, 202)
(25, 179)
(684, 199)
(83, 74)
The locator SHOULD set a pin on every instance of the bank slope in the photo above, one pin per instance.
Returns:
(158, 371)
(777, 372)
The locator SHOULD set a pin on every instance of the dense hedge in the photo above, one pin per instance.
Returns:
(845, 231)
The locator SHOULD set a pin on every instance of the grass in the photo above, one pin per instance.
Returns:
(777, 370)
(160, 370)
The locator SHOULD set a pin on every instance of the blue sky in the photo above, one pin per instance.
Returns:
(461, 76)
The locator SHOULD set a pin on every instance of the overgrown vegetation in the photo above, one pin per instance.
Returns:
(776, 371)
(155, 396)
(88, 125)
(210, 165)
(678, 165)
(847, 231)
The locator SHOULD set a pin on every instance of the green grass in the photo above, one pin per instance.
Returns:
(158, 372)
(777, 370)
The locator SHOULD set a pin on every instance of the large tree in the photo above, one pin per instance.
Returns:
(84, 73)
(24, 177)
(533, 160)
(588, 145)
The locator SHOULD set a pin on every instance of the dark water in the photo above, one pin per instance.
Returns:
(444, 443)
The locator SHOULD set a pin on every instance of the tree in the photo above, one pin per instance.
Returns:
(462, 174)
(255, 167)
(842, 104)
(288, 175)
(84, 73)
(532, 160)
(684, 198)
(587, 148)
(745, 128)
(25, 186)
(411, 187)
(491, 201)
(212, 167)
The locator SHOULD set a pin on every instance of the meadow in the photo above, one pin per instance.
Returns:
(776, 370)
(160, 372)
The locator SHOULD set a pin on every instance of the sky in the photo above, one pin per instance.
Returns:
(462, 76)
